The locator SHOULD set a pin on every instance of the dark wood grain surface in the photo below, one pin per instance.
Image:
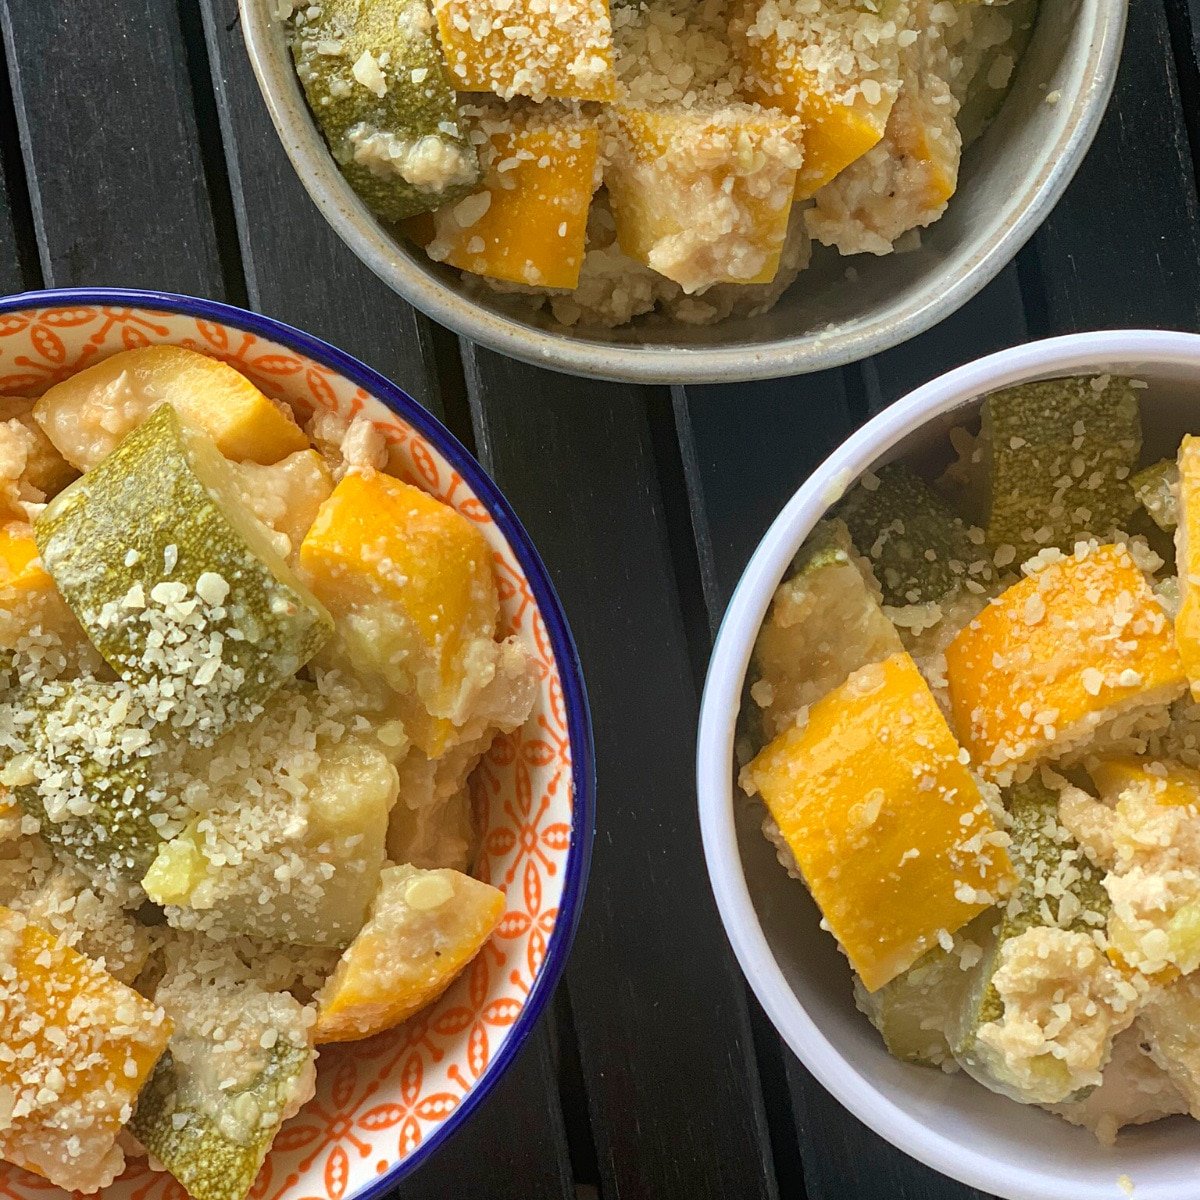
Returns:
(135, 150)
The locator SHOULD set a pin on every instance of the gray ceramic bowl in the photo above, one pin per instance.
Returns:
(1010, 179)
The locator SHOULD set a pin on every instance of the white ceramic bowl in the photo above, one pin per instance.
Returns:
(1009, 181)
(947, 1121)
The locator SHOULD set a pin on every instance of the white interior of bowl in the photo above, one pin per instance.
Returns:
(1009, 181)
(947, 1121)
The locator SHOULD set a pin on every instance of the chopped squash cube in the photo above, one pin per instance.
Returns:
(425, 926)
(410, 584)
(824, 623)
(1052, 462)
(527, 222)
(529, 48)
(35, 621)
(1157, 490)
(703, 196)
(920, 551)
(1149, 833)
(80, 1047)
(893, 837)
(87, 415)
(1187, 555)
(1170, 783)
(1170, 1023)
(1059, 655)
(840, 122)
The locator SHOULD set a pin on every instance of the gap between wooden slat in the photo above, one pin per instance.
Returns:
(19, 266)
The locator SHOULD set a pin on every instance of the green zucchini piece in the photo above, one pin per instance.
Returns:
(910, 1012)
(824, 623)
(920, 551)
(1057, 887)
(88, 775)
(1157, 490)
(1052, 463)
(290, 850)
(379, 89)
(213, 1140)
(177, 585)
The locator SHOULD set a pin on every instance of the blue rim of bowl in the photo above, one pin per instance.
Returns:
(566, 656)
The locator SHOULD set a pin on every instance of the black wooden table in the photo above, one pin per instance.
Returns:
(135, 151)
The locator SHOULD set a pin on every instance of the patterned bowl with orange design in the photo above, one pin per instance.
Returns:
(383, 1105)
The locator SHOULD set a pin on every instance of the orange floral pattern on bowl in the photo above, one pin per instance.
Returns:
(377, 1101)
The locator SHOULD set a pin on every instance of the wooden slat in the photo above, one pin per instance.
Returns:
(296, 266)
(746, 448)
(657, 1001)
(511, 1149)
(1122, 248)
(116, 178)
(990, 321)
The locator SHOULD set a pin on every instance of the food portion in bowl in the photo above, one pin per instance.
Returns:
(245, 675)
(667, 155)
(972, 717)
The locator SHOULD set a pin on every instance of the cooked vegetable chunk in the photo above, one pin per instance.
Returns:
(286, 496)
(803, 61)
(703, 195)
(1052, 463)
(425, 926)
(824, 623)
(529, 48)
(896, 843)
(527, 221)
(238, 1064)
(80, 1045)
(410, 583)
(1157, 490)
(919, 550)
(45, 468)
(1058, 889)
(1070, 649)
(1171, 1023)
(1148, 836)
(87, 415)
(378, 87)
(175, 583)
(288, 849)
(86, 774)
(39, 635)
(1133, 1090)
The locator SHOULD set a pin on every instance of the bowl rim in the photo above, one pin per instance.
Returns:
(566, 655)
(815, 350)
(722, 697)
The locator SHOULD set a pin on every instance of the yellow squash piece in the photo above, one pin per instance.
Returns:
(410, 584)
(529, 47)
(891, 833)
(80, 1045)
(424, 928)
(835, 133)
(89, 414)
(1057, 656)
(32, 612)
(527, 222)
(1170, 783)
(1187, 555)
(703, 196)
